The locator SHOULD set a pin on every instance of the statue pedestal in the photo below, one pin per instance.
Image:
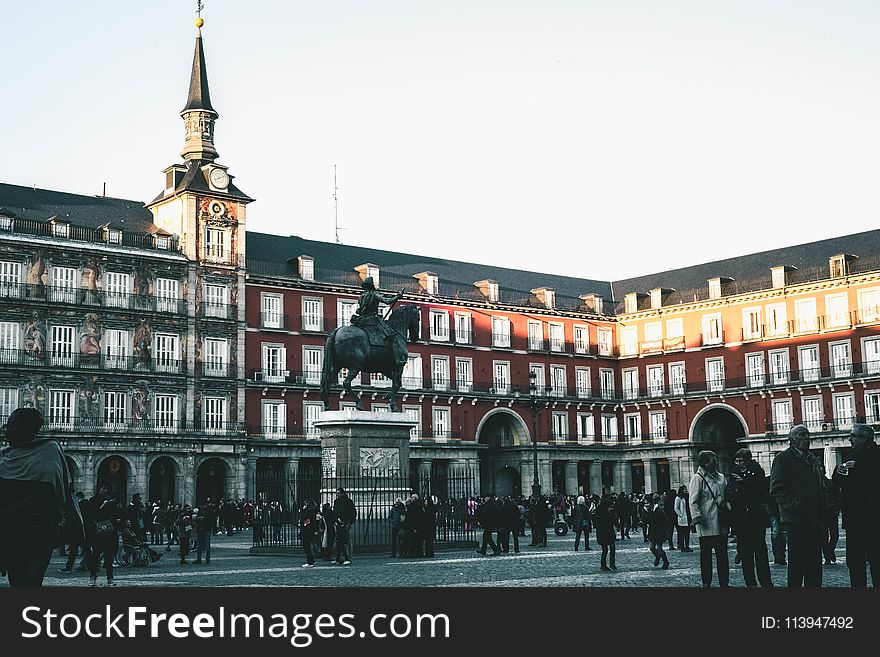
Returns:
(364, 443)
(366, 453)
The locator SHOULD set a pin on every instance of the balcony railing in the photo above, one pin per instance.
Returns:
(28, 358)
(84, 234)
(99, 298)
(216, 310)
(275, 321)
(464, 337)
(817, 426)
(143, 426)
(315, 323)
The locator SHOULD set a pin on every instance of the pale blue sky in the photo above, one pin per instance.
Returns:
(595, 139)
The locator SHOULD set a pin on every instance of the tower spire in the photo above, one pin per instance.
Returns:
(199, 115)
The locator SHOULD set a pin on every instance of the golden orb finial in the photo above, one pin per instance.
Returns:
(199, 22)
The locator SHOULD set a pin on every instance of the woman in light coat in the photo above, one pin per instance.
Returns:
(683, 519)
(707, 488)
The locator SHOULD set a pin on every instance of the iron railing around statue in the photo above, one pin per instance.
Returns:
(280, 497)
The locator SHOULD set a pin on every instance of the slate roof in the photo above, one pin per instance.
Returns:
(752, 271)
(199, 97)
(194, 180)
(90, 211)
(272, 248)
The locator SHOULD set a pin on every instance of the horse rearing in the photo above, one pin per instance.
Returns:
(349, 347)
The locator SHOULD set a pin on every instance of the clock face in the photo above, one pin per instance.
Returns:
(219, 178)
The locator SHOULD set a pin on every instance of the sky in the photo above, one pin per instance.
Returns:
(600, 140)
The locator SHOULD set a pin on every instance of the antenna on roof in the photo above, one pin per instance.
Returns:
(105, 191)
(336, 227)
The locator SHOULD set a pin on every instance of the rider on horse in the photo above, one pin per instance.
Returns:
(367, 317)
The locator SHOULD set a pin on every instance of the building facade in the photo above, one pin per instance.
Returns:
(175, 354)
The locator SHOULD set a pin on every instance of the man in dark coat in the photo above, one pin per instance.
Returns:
(748, 497)
(35, 500)
(346, 514)
(509, 524)
(796, 483)
(858, 480)
(623, 511)
(488, 517)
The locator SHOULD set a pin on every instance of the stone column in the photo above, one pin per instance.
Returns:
(545, 469)
(650, 478)
(473, 466)
(832, 459)
(292, 477)
(623, 477)
(251, 478)
(527, 476)
(140, 475)
(425, 476)
(571, 478)
(596, 476)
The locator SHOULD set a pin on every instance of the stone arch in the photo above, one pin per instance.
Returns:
(719, 427)
(213, 477)
(163, 478)
(116, 472)
(498, 418)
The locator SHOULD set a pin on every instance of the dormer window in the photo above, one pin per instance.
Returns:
(113, 236)
(428, 282)
(60, 229)
(306, 268)
(546, 296)
(5, 221)
(714, 288)
(369, 270)
(779, 275)
(630, 303)
(162, 242)
(489, 289)
(839, 265)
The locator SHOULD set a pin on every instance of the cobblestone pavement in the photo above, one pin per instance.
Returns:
(553, 566)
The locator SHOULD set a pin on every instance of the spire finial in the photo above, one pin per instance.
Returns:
(199, 21)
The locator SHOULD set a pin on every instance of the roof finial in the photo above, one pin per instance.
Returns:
(199, 6)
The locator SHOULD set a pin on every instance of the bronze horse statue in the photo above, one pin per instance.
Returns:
(349, 346)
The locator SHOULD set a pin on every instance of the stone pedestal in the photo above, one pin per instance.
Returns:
(363, 442)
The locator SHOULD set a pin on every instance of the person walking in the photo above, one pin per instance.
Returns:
(683, 524)
(346, 514)
(204, 527)
(35, 500)
(429, 525)
(509, 525)
(858, 479)
(796, 483)
(308, 525)
(606, 532)
(748, 496)
(487, 516)
(623, 511)
(102, 532)
(707, 488)
(582, 524)
(77, 542)
(184, 532)
(327, 527)
(658, 530)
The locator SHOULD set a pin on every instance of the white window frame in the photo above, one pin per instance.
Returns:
(755, 370)
(464, 374)
(10, 279)
(610, 430)
(345, 308)
(752, 327)
(632, 427)
(165, 411)
(629, 378)
(805, 313)
(812, 412)
(8, 403)
(872, 406)
(440, 373)
(779, 375)
(117, 347)
(412, 377)
(500, 332)
(167, 295)
(837, 317)
(274, 419)
(582, 382)
(62, 350)
(840, 368)
(783, 418)
(167, 350)
(558, 380)
(117, 289)
(271, 310)
(463, 328)
(674, 328)
(414, 413)
(605, 340)
(216, 356)
(313, 364)
(581, 339)
(10, 342)
(311, 412)
(869, 305)
(540, 379)
(536, 335)
(501, 377)
(586, 428)
(62, 281)
(62, 408)
(776, 320)
(216, 300)
(653, 332)
(606, 383)
(713, 329)
(629, 340)
(215, 414)
(559, 426)
(809, 371)
(441, 423)
(871, 355)
(677, 384)
(215, 248)
(556, 332)
(657, 425)
(312, 314)
(438, 320)
(272, 354)
(844, 420)
(714, 377)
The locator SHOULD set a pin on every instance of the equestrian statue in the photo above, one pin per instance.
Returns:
(371, 344)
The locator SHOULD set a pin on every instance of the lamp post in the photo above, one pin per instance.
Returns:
(533, 405)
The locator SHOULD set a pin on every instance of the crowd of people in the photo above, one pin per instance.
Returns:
(797, 501)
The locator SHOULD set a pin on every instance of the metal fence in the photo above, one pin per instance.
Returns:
(280, 498)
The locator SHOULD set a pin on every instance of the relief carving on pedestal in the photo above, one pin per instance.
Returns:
(380, 458)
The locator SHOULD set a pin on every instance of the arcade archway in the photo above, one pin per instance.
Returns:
(718, 427)
(163, 478)
(113, 472)
(211, 478)
(502, 431)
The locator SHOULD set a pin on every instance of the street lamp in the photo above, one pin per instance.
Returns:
(533, 405)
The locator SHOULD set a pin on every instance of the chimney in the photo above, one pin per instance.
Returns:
(660, 297)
